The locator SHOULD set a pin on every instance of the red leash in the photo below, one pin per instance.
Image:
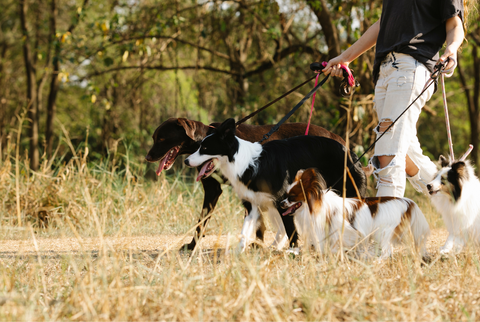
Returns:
(311, 109)
(351, 83)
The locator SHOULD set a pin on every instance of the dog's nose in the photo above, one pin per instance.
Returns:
(283, 204)
(148, 158)
(187, 162)
(429, 186)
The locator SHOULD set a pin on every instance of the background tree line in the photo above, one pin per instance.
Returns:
(116, 69)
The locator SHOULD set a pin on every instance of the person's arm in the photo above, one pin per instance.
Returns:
(364, 43)
(455, 36)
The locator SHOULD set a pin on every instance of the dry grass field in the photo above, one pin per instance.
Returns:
(85, 241)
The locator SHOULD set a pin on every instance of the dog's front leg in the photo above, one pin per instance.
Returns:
(281, 237)
(213, 190)
(445, 249)
(250, 225)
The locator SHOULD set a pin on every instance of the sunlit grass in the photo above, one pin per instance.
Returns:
(79, 202)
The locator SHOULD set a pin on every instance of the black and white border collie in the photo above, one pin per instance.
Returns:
(455, 194)
(320, 219)
(260, 174)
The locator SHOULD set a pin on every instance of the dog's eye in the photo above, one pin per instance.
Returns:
(204, 148)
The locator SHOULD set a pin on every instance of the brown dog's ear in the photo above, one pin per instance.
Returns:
(299, 174)
(190, 128)
(310, 200)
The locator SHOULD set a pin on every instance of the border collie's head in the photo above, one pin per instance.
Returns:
(307, 186)
(220, 144)
(450, 179)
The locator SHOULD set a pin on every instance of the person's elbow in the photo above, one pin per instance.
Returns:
(454, 23)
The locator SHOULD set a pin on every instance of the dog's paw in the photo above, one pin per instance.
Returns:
(188, 247)
(444, 251)
(427, 258)
(294, 251)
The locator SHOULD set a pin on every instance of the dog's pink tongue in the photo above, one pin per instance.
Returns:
(288, 211)
(203, 170)
(162, 164)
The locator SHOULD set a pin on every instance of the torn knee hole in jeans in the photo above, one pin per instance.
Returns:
(384, 125)
(384, 175)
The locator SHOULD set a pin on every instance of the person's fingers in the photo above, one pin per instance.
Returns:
(329, 66)
(451, 57)
(326, 71)
(451, 63)
(338, 71)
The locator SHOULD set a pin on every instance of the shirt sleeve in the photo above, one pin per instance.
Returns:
(452, 8)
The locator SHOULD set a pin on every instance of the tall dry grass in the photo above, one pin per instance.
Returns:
(75, 200)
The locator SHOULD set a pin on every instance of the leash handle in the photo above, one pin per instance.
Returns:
(348, 82)
(470, 148)
(448, 72)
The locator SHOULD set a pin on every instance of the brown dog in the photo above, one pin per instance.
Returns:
(177, 136)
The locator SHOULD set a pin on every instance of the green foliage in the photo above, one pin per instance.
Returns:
(127, 66)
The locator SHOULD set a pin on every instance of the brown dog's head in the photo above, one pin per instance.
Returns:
(174, 137)
(308, 186)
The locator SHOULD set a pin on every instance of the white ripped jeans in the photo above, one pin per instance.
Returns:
(400, 81)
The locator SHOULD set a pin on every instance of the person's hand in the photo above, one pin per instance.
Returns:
(333, 67)
(449, 53)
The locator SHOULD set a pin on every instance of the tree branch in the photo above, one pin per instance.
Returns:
(319, 8)
(159, 67)
(280, 55)
(213, 52)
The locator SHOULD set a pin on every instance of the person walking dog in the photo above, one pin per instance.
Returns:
(408, 38)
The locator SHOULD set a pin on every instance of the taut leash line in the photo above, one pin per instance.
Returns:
(273, 102)
(347, 84)
(286, 117)
(437, 71)
(447, 73)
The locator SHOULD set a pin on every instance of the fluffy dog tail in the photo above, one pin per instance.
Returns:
(420, 230)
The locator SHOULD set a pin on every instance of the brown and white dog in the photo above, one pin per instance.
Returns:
(455, 194)
(177, 136)
(319, 216)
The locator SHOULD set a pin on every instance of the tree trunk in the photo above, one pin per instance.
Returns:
(54, 84)
(31, 88)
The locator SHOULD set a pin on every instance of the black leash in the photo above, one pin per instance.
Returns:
(345, 89)
(273, 102)
(439, 68)
(286, 117)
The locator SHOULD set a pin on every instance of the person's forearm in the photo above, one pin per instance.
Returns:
(367, 41)
(455, 33)
(364, 43)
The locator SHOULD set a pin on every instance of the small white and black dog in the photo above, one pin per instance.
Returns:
(455, 193)
(319, 217)
(260, 174)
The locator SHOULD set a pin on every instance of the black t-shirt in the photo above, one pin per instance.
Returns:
(415, 28)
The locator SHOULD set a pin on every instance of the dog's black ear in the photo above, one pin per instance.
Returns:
(461, 169)
(443, 161)
(227, 128)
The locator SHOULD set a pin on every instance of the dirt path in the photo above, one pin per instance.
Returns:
(143, 243)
